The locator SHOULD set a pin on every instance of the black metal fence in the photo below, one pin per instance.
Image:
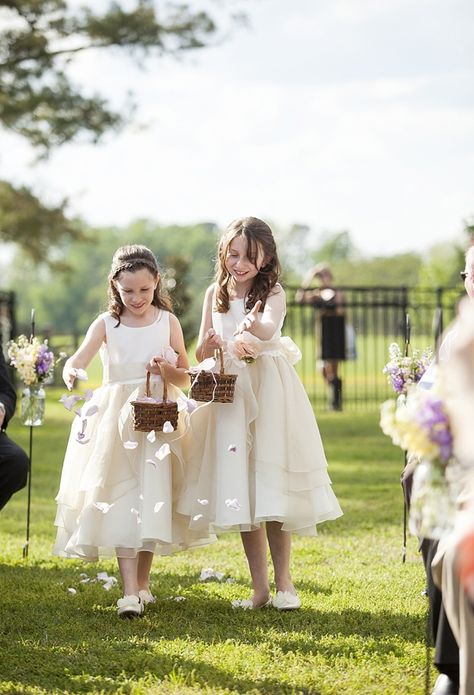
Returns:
(374, 318)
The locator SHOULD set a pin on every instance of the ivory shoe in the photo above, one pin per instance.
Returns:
(146, 596)
(129, 606)
(246, 604)
(286, 601)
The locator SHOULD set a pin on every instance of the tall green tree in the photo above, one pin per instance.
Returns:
(40, 102)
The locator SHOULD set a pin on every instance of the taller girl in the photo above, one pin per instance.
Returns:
(261, 464)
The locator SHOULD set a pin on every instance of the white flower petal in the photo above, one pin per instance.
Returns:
(168, 427)
(191, 405)
(233, 504)
(232, 448)
(151, 436)
(197, 517)
(157, 507)
(103, 507)
(130, 445)
(182, 403)
(203, 502)
(153, 463)
(163, 452)
(72, 590)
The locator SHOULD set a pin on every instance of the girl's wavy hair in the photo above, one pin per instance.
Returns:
(260, 240)
(130, 259)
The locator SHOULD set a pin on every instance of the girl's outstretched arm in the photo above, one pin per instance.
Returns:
(176, 375)
(89, 347)
(208, 340)
(264, 324)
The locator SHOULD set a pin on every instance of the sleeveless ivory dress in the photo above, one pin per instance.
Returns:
(116, 497)
(259, 458)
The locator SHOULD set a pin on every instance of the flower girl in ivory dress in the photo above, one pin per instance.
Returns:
(256, 465)
(118, 486)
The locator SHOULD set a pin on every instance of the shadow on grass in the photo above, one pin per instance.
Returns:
(54, 640)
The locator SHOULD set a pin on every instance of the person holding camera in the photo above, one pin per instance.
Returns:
(329, 304)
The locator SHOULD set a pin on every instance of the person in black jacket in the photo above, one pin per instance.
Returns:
(14, 463)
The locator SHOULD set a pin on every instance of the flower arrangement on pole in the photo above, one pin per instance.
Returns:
(34, 361)
(405, 370)
(419, 423)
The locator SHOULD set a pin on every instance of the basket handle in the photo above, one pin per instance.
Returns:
(165, 387)
(221, 359)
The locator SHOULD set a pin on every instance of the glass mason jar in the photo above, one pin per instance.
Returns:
(432, 502)
(32, 405)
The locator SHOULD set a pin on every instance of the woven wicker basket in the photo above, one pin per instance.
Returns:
(210, 386)
(149, 415)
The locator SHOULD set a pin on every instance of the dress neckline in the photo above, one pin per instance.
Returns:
(149, 325)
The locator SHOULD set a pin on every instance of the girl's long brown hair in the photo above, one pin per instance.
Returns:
(259, 239)
(130, 259)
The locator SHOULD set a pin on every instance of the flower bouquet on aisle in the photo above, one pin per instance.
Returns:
(419, 424)
(34, 362)
(405, 370)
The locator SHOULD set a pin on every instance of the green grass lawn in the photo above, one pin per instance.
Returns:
(361, 628)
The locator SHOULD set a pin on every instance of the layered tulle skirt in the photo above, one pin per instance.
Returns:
(119, 487)
(259, 458)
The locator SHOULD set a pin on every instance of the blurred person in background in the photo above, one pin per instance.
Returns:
(328, 303)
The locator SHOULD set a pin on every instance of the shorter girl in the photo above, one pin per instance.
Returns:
(261, 467)
(117, 485)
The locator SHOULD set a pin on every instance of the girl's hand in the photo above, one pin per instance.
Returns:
(153, 365)
(69, 376)
(249, 321)
(212, 342)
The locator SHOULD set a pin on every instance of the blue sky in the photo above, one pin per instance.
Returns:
(338, 114)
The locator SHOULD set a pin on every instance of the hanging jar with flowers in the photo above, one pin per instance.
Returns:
(34, 362)
(420, 425)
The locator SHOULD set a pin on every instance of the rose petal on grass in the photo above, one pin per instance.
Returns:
(72, 590)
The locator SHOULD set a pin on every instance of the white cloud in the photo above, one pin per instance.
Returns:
(320, 113)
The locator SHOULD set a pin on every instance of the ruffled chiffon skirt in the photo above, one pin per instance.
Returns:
(259, 458)
(115, 499)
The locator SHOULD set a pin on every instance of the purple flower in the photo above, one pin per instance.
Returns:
(433, 419)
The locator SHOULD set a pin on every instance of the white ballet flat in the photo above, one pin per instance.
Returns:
(286, 601)
(130, 606)
(246, 604)
(146, 596)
